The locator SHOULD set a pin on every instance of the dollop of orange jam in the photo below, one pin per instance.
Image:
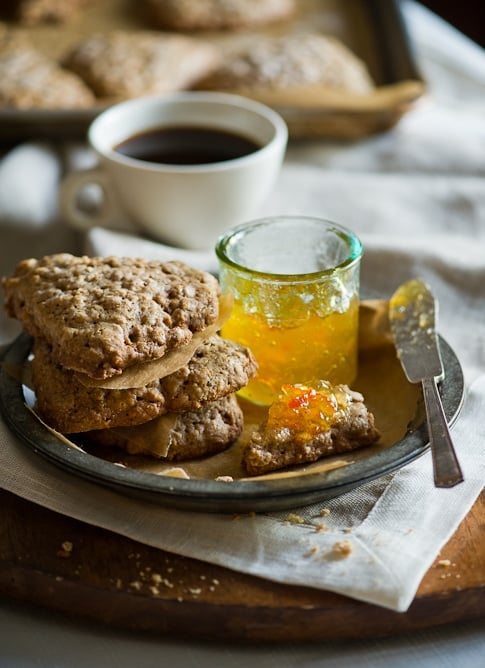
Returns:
(307, 410)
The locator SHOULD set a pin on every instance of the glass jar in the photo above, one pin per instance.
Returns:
(295, 285)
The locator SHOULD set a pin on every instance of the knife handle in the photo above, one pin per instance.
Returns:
(446, 468)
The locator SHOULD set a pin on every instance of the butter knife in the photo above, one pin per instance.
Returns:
(412, 316)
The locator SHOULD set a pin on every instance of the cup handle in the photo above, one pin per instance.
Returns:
(107, 214)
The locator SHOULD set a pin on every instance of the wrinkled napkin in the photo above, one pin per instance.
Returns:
(416, 197)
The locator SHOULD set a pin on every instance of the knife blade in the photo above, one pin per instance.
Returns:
(413, 320)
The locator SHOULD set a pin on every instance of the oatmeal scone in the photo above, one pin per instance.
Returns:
(217, 14)
(30, 80)
(291, 61)
(102, 315)
(218, 368)
(130, 64)
(179, 436)
(294, 434)
(34, 12)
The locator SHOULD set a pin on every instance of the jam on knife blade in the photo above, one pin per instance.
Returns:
(412, 316)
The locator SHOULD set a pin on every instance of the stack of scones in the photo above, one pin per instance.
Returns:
(126, 352)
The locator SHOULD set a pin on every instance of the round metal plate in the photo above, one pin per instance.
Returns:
(213, 495)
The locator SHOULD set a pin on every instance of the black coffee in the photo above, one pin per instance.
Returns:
(182, 145)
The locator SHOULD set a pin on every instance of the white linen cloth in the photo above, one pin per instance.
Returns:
(416, 197)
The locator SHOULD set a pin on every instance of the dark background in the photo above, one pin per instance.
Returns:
(466, 15)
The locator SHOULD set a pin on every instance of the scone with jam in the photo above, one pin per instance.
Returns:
(306, 423)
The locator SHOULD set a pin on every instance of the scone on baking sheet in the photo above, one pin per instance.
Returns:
(217, 368)
(217, 14)
(306, 423)
(126, 64)
(179, 436)
(291, 62)
(102, 315)
(34, 12)
(29, 79)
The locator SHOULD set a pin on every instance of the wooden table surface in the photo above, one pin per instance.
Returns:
(64, 565)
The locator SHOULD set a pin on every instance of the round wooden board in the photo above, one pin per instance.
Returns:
(64, 565)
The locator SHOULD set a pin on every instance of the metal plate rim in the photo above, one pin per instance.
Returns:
(211, 495)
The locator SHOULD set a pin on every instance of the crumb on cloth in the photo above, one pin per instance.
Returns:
(342, 548)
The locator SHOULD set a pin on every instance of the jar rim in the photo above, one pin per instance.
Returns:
(351, 240)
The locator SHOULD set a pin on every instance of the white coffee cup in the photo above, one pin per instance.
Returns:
(183, 205)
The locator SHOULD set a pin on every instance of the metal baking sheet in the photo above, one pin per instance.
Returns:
(373, 29)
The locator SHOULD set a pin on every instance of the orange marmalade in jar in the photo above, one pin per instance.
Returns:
(295, 285)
